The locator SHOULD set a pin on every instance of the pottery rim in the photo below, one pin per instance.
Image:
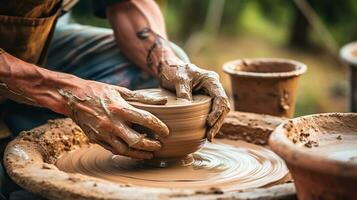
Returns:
(298, 68)
(346, 53)
(191, 104)
(298, 156)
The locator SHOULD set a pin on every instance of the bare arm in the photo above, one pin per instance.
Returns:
(99, 109)
(29, 84)
(134, 22)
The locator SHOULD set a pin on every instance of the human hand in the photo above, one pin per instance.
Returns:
(106, 118)
(184, 78)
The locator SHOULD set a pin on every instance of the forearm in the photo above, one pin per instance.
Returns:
(139, 30)
(29, 84)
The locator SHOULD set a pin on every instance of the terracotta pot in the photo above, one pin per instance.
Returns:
(265, 85)
(348, 54)
(321, 153)
(186, 121)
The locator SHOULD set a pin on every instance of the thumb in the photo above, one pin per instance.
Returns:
(129, 95)
(184, 90)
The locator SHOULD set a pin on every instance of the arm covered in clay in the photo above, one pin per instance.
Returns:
(140, 33)
(99, 109)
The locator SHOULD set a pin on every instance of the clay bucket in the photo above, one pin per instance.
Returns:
(321, 153)
(265, 85)
(348, 54)
(187, 124)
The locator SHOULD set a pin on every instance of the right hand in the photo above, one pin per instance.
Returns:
(106, 118)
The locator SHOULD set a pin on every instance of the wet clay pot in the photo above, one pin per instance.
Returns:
(264, 85)
(348, 54)
(186, 121)
(321, 153)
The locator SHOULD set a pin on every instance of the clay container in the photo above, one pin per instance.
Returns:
(186, 121)
(321, 153)
(264, 85)
(348, 54)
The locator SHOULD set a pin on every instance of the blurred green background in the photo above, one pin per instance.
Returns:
(310, 31)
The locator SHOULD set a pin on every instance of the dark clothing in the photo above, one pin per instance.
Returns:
(26, 26)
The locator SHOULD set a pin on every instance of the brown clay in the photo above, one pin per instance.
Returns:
(185, 119)
(321, 154)
(348, 54)
(30, 158)
(265, 85)
(250, 127)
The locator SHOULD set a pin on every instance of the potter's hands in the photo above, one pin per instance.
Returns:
(184, 78)
(104, 115)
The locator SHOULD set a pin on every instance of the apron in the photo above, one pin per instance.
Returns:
(26, 26)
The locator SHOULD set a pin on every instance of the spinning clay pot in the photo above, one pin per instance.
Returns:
(265, 85)
(321, 153)
(186, 121)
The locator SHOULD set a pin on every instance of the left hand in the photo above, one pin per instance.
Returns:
(184, 78)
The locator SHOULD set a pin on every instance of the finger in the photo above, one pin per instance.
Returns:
(219, 105)
(214, 130)
(143, 118)
(183, 90)
(147, 145)
(122, 149)
(129, 95)
(134, 139)
(209, 82)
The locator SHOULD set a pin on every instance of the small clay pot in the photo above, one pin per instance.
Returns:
(265, 85)
(321, 153)
(348, 54)
(186, 121)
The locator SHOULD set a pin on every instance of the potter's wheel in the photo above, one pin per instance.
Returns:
(226, 165)
(30, 160)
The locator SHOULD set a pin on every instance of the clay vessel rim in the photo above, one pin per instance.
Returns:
(298, 156)
(300, 68)
(207, 100)
(346, 53)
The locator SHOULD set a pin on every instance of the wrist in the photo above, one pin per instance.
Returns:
(163, 55)
(56, 84)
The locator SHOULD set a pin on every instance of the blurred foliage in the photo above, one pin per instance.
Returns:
(259, 17)
(273, 18)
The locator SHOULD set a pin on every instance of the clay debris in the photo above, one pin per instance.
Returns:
(250, 127)
(303, 135)
(55, 137)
